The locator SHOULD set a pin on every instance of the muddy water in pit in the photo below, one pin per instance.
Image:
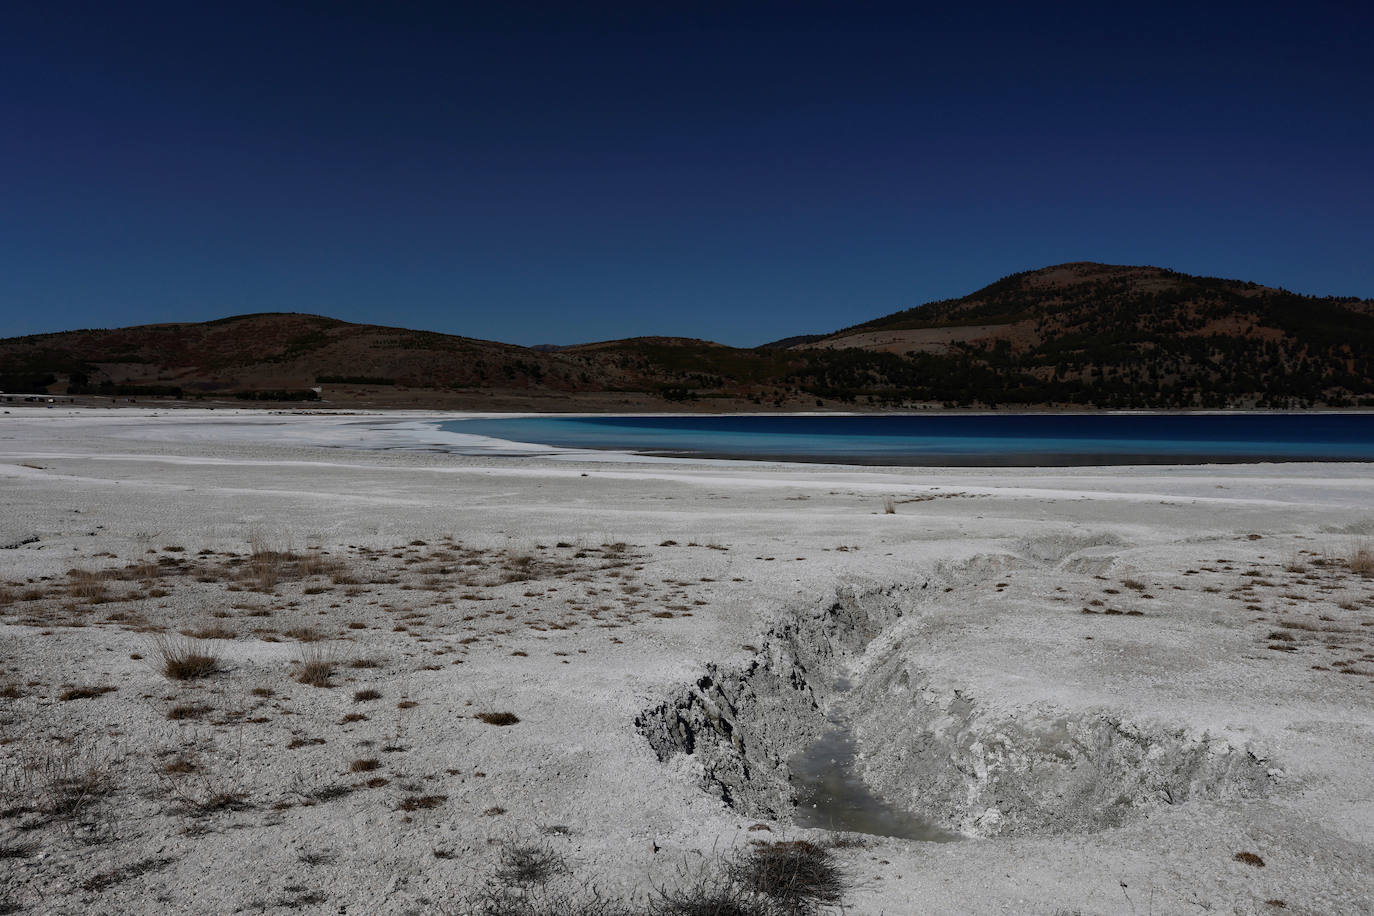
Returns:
(832, 796)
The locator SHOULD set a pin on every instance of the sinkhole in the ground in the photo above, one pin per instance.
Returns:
(784, 737)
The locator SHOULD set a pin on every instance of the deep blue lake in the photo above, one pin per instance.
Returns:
(962, 439)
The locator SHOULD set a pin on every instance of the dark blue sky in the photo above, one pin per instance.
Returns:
(736, 171)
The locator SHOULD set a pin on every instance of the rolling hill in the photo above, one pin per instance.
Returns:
(1077, 334)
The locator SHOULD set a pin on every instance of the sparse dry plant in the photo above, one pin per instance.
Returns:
(525, 863)
(212, 631)
(314, 562)
(88, 585)
(265, 562)
(305, 634)
(797, 874)
(181, 659)
(85, 692)
(315, 666)
(199, 794)
(1361, 561)
(64, 783)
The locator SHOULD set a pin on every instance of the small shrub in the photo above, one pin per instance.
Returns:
(305, 634)
(497, 718)
(67, 785)
(188, 711)
(364, 765)
(528, 864)
(88, 586)
(183, 660)
(265, 563)
(315, 667)
(709, 894)
(419, 802)
(1249, 858)
(84, 693)
(180, 765)
(795, 873)
(363, 696)
(1361, 560)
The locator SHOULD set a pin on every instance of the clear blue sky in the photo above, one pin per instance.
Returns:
(735, 171)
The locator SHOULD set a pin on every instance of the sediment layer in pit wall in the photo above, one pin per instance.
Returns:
(741, 725)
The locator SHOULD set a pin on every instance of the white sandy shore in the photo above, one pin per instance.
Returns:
(1022, 553)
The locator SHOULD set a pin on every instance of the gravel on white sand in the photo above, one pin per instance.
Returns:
(1109, 681)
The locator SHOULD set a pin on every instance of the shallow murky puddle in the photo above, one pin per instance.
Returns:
(832, 796)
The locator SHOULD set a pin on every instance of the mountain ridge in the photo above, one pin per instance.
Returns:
(1074, 334)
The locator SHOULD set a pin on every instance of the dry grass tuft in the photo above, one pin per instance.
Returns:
(362, 696)
(216, 631)
(183, 660)
(497, 718)
(266, 563)
(421, 802)
(85, 693)
(529, 864)
(1249, 858)
(797, 874)
(108, 879)
(316, 666)
(88, 586)
(305, 634)
(64, 784)
(1361, 561)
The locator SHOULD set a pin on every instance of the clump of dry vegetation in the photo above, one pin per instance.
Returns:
(85, 693)
(497, 718)
(182, 659)
(1361, 561)
(64, 784)
(421, 802)
(527, 863)
(796, 874)
(315, 667)
(88, 586)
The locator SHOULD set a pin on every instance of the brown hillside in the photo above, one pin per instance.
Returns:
(1072, 334)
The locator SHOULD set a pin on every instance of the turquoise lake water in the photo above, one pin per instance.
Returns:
(967, 439)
